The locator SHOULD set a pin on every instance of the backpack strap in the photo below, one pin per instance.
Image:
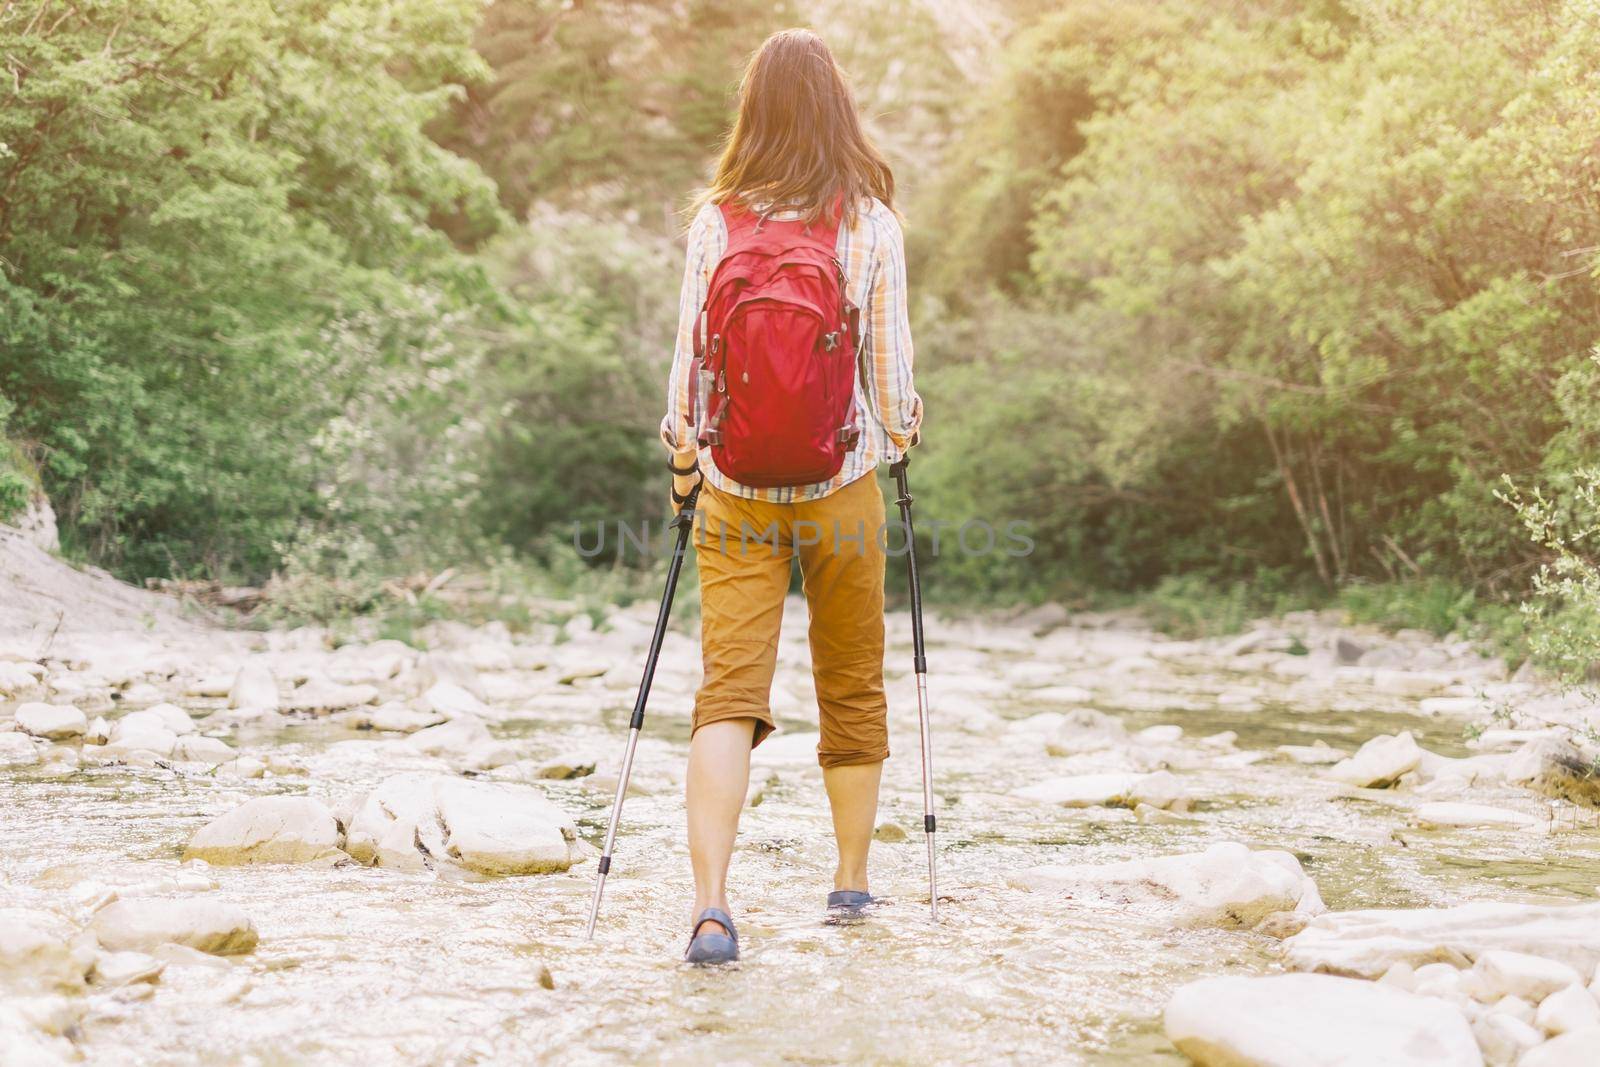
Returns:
(738, 219)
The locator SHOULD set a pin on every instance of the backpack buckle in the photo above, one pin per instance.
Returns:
(830, 340)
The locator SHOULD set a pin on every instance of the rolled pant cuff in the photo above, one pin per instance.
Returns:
(850, 759)
(764, 724)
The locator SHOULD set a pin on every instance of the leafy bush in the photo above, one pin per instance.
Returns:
(1563, 615)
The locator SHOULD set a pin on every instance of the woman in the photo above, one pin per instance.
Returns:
(796, 154)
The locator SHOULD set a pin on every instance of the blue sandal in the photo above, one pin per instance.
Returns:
(713, 947)
(849, 904)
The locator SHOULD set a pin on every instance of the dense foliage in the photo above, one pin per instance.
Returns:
(1272, 294)
(1300, 283)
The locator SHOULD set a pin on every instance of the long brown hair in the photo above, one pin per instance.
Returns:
(797, 141)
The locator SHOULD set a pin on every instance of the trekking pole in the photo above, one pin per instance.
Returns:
(683, 522)
(920, 661)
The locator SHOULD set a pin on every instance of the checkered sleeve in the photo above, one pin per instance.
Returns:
(891, 395)
(676, 433)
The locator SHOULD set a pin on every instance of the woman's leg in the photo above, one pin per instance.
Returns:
(719, 776)
(843, 566)
(853, 796)
(743, 579)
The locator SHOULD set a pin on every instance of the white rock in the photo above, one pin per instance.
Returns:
(1436, 980)
(1310, 1020)
(1500, 973)
(53, 721)
(145, 736)
(1515, 1007)
(1226, 885)
(212, 685)
(1380, 762)
(1504, 1038)
(1462, 816)
(141, 925)
(1320, 754)
(491, 831)
(454, 738)
(414, 821)
(1405, 683)
(19, 678)
(1367, 943)
(114, 969)
(397, 718)
(41, 952)
(1402, 975)
(167, 717)
(1166, 734)
(203, 750)
(243, 767)
(1060, 694)
(452, 701)
(436, 667)
(1453, 706)
(140, 695)
(268, 830)
(1576, 1049)
(17, 750)
(254, 688)
(98, 732)
(320, 695)
(1567, 1010)
(1086, 730)
(1082, 790)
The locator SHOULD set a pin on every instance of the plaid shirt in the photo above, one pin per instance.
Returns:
(874, 258)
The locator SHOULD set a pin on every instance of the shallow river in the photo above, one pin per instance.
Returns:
(374, 965)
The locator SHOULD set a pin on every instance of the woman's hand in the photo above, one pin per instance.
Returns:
(682, 483)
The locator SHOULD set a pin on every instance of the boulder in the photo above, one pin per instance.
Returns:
(170, 716)
(1576, 1049)
(1469, 816)
(41, 952)
(115, 969)
(1380, 762)
(1367, 943)
(451, 701)
(17, 750)
(1503, 1039)
(55, 722)
(455, 738)
(143, 924)
(1568, 1010)
(397, 718)
(140, 731)
(319, 695)
(1558, 768)
(416, 820)
(1226, 885)
(268, 830)
(1310, 1020)
(254, 688)
(199, 749)
(1499, 974)
(98, 732)
(1086, 730)
(1160, 789)
(1319, 754)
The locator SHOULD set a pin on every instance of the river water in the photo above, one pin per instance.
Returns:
(380, 966)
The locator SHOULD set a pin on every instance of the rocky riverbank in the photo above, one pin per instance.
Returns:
(1301, 845)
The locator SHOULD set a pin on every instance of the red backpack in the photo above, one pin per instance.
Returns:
(775, 353)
